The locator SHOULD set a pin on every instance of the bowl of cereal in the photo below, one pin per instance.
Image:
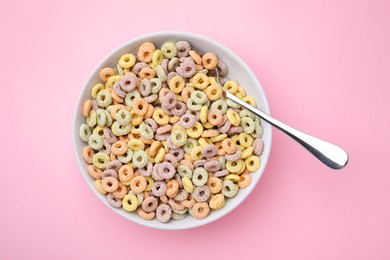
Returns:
(157, 141)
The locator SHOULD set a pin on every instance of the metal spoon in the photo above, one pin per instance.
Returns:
(329, 154)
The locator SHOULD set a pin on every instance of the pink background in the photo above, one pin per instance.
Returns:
(325, 68)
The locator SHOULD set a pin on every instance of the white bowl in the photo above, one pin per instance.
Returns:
(238, 71)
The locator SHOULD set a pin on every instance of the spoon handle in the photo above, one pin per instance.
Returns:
(329, 154)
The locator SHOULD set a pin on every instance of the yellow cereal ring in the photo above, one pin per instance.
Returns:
(214, 92)
(200, 81)
(160, 117)
(135, 118)
(218, 138)
(111, 80)
(136, 145)
(150, 158)
(250, 100)
(176, 84)
(245, 139)
(130, 202)
(160, 155)
(99, 130)
(154, 148)
(233, 177)
(204, 141)
(165, 145)
(187, 184)
(241, 91)
(208, 125)
(203, 114)
(174, 119)
(96, 89)
(236, 140)
(235, 166)
(196, 153)
(231, 86)
(99, 187)
(157, 57)
(150, 182)
(127, 60)
(195, 131)
(233, 117)
(252, 163)
(217, 201)
(247, 152)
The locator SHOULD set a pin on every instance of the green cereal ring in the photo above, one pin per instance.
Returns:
(95, 141)
(190, 144)
(104, 98)
(179, 137)
(199, 97)
(156, 84)
(184, 171)
(232, 104)
(258, 133)
(200, 176)
(131, 96)
(109, 108)
(192, 105)
(123, 117)
(140, 159)
(126, 157)
(222, 161)
(220, 105)
(169, 50)
(92, 118)
(118, 129)
(101, 117)
(119, 70)
(247, 124)
(108, 118)
(146, 131)
(247, 113)
(100, 160)
(161, 73)
(229, 189)
(85, 132)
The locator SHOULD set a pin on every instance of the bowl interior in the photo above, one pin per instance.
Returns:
(238, 71)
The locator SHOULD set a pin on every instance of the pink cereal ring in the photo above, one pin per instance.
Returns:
(147, 170)
(225, 128)
(212, 166)
(113, 201)
(187, 68)
(178, 153)
(128, 82)
(235, 130)
(174, 205)
(166, 170)
(163, 213)
(221, 173)
(118, 90)
(235, 156)
(179, 109)
(258, 146)
(171, 159)
(187, 120)
(151, 123)
(209, 151)
(159, 188)
(215, 116)
(110, 173)
(120, 192)
(183, 48)
(169, 101)
(149, 204)
(138, 67)
(164, 129)
(199, 163)
(155, 174)
(115, 165)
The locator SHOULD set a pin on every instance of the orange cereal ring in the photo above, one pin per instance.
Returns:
(172, 188)
(115, 109)
(138, 184)
(94, 171)
(164, 199)
(195, 56)
(154, 148)
(120, 192)
(140, 106)
(110, 184)
(162, 93)
(188, 202)
(214, 92)
(116, 98)
(187, 163)
(144, 215)
(200, 210)
(245, 180)
(186, 93)
(214, 184)
(119, 147)
(105, 73)
(215, 117)
(113, 157)
(221, 151)
(229, 146)
(87, 107)
(146, 51)
(149, 112)
(147, 73)
(209, 61)
(88, 154)
(210, 133)
(146, 141)
(126, 174)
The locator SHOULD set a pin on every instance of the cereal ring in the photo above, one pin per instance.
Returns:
(140, 159)
(113, 201)
(179, 109)
(214, 117)
(177, 153)
(145, 52)
(184, 171)
(187, 68)
(138, 184)
(163, 213)
(126, 174)
(145, 89)
(214, 92)
(118, 129)
(100, 160)
(171, 159)
(169, 50)
(156, 85)
(94, 172)
(126, 157)
(166, 170)
(85, 132)
(209, 150)
(138, 66)
(120, 192)
(250, 100)
(98, 185)
(157, 57)
(199, 176)
(119, 147)
(147, 73)
(106, 73)
(231, 86)
(200, 81)
(128, 82)
(233, 117)
(221, 173)
(110, 184)
(195, 131)
(217, 201)
(214, 184)
(233, 177)
(196, 153)
(220, 105)
(235, 166)
(234, 156)
(195, 56)
(140, 106)
(159, 188)
(245, 140)
(146, 216)
(176, 84)
(229, 146)
(146, 131)
(183, 48)
(229, 189)
(169, 101)
(245, 180)
(172, 188)
(110, 173)
(235, 130)
(187, 120)
(212, 166)
(200, 210)
(182, 195)
(225, 127)
(160, 117)
(178, 137)
(222, 69)
(149, 204)
(247, 152)
(258, 146)
(200, 163)
(130, 202)
(161, 73)
(87, 107)
(130, 97)
(252, 163)
(247, 124)
(209, 61)
(136, 145)
(114, 165)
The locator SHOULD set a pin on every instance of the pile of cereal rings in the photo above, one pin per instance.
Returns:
(162, 140)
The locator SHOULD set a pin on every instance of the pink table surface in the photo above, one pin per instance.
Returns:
(325, 68)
